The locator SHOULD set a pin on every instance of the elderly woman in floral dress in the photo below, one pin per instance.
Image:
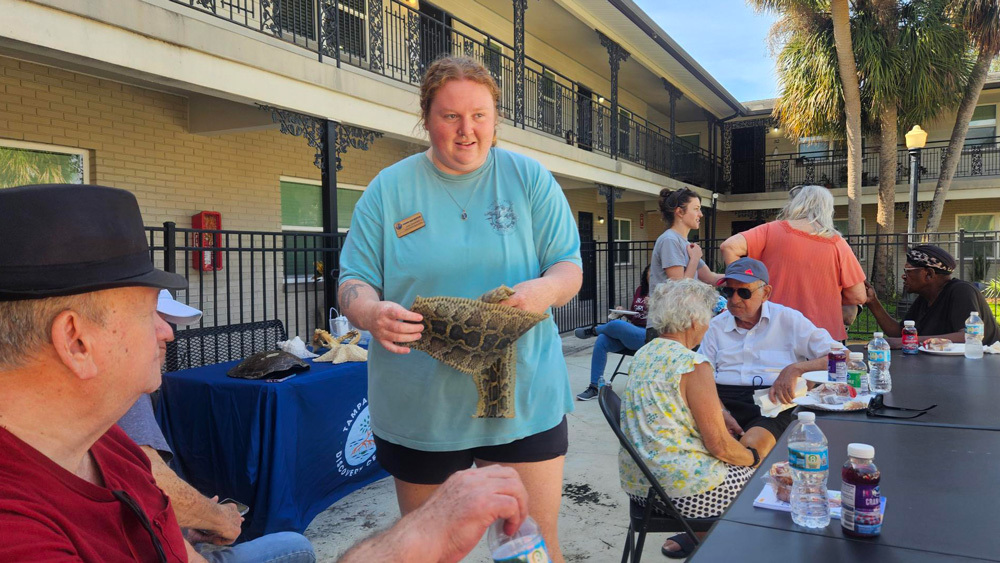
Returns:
(672, 415)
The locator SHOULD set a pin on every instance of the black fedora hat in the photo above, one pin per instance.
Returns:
(65, 239)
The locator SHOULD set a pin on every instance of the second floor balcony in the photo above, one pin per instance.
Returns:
(399, 39)
(980, 158)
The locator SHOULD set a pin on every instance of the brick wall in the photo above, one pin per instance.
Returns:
(137, 139)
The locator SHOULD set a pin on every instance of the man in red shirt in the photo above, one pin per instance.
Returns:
(79, 342)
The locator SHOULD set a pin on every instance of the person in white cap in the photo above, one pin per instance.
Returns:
(205, 521)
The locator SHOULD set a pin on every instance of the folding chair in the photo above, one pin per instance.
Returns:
(643, 519)
(626, 353)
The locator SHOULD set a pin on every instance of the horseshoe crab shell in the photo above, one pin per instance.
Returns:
(271, 364)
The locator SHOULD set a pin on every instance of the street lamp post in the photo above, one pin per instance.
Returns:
(916, 138)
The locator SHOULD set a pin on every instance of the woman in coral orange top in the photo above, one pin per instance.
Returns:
(812, 268)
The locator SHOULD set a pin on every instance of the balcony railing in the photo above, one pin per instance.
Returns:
(980, 157)
(392, 39)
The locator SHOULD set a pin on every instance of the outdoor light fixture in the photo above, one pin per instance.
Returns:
(775, 130)
(915, 140)
(600, 219)
(600, 99)
(415, 4)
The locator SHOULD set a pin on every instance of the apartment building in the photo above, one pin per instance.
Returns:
(275, 115)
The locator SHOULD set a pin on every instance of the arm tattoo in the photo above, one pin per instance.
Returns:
(348, 293)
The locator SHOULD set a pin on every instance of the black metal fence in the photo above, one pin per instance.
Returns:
(249, 276)
(390, 38)
(977, 253)
(980, 157)
(238, 277)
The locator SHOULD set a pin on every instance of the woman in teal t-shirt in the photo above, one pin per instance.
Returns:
(458, 220)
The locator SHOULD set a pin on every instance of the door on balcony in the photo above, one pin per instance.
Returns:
(435, 36)
(584, 119)
(588, 253)
(747, 167)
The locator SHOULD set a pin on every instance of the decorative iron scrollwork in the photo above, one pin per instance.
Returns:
(375, 35)
(301, 125)
(355, 138)
(977, 160)
(413, 46)
(210, 4)
(519, 8)
(270, 15)
(607, 189)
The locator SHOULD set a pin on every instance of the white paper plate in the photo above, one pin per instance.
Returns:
(858, 403)
(623, 312)
(817, 376)
(956, 349)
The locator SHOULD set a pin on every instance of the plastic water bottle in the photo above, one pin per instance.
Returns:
(974, 336)
(808, 458)
(879, 380)
(525, 546)
(857, 372)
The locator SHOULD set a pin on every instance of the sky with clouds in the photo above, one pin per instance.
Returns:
(726, 37)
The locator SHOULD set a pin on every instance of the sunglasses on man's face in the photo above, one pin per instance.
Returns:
(744, 292)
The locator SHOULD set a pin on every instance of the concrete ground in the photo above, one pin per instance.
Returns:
(594, 514)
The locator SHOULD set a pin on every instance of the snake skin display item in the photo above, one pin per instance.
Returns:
(477, 337)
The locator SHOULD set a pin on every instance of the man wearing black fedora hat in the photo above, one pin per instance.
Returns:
(80, 341)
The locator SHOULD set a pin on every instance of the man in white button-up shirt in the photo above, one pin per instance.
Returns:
(756, 344)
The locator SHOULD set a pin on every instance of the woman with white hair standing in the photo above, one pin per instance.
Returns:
(813, 270)
(672, 415)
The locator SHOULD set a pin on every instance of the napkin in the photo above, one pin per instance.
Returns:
(992, 348)
(771, 409)
(296, 347)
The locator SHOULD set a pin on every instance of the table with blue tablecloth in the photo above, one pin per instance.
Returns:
(288, 449)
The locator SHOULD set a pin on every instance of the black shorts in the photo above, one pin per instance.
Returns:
(432, 468)
(738, 400)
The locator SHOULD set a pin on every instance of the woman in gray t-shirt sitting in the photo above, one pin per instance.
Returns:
(674, 257)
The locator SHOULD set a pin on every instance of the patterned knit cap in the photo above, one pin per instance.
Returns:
(929, 256)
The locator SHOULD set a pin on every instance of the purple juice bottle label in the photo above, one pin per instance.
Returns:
(861, 509)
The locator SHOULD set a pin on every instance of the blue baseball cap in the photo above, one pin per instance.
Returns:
(746, 270)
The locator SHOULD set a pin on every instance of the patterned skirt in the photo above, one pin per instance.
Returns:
(712, 502)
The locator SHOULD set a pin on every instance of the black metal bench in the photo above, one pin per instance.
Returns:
(195, 347)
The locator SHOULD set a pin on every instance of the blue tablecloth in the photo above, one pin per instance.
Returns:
(288, 449)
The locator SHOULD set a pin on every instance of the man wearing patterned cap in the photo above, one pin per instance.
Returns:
(942, 303)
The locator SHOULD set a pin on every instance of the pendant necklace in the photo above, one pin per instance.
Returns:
(460, 206)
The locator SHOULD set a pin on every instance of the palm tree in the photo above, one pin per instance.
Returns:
(981, 19)
(819, 79)
(913, 67)
(848, 70)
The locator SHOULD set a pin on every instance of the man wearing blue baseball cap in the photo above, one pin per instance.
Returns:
(758, 344)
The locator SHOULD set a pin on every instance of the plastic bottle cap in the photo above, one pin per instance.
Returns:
(863, 451)
(836, 346)
(877, 335)
(807, 416)
(909, 323)
(857, 356)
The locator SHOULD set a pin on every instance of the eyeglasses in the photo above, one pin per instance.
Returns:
(743, 292)
(128, 501)
(877, 403)
(908, 269)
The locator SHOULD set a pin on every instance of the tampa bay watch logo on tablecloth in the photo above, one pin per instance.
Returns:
(358, 452)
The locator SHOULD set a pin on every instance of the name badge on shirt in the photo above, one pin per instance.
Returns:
(406, 226)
